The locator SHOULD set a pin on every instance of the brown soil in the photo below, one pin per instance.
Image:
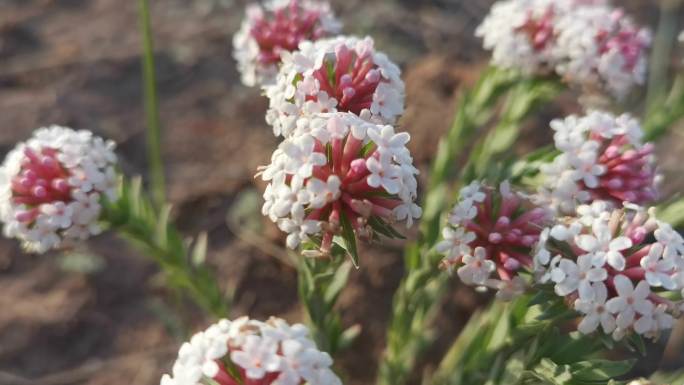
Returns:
(100, 316)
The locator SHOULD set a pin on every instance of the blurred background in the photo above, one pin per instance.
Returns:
(99, 314)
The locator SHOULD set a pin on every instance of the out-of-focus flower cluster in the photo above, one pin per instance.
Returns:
(589, 44)
(272, 30)
(617, 268)
(344, 74)
(492, 232)
(602, 158)
(247, 351)
(51, 187)
(344, 173)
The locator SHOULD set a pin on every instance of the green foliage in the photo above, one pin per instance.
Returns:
(349, 239)
(135, 218)
(320, 285)
(522, 342)
(664, 377)
(672, 213)
(423, 286)
(476, 108)
(153, 128)
(527, 96)
(666, 111)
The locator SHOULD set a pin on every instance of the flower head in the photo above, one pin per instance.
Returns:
(521, 33)
(492, 232)
(612, 268)
(601, 49)
(51, 187)
(275, 28)
(253, 352)
(588, 43)
(344, 74)
(345, 175)
(602, 158)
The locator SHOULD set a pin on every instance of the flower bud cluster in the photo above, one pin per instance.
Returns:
(616, 267)
(490, 236)
(275, 28)
(345, 174)
(343, 74)
(246, 351)
(602, 158)
(589, 44)
(51, 187)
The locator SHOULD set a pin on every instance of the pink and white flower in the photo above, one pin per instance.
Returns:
(602, 158)
(521, 34)
(345, 172)
(274, 28)
(247, 351)
(492, 231)
(344, 74)
(608, 268)
(588, 43)
(51, 187)
(601, 49)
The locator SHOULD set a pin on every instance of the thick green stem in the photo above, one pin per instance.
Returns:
(153, 131)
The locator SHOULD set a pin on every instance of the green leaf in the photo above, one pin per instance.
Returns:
(381, 227)
(672, 213)
(600, 370)
(348, 337)
(339, 281)
(636, 342)
(163, 225)
(199, 251)
(555, 374)
(349, 239)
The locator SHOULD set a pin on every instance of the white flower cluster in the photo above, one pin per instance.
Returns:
(604, 263)
(602, 158)
(600, 46)
(344, 166)
(588, 43)
(247, 351)
(344, 74)
(520, 34)
(51, 187)
(276, 27)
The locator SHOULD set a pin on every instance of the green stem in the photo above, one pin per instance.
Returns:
(663, 44)
(320, 284)
(510, 343)
(135, 218)
(424, 284)
(475, 109)
(153, 132)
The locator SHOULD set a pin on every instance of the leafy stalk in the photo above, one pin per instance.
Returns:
(672, 213)
(522, 343)
(476, 107)
(423, 285)
(525, 97)
(320, 285)
(153, 131)
(136, 219)
(666, 112)
(661, 53)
